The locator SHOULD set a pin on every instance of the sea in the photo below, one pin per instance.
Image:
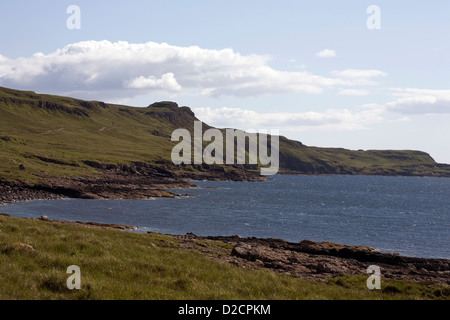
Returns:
(405, 215)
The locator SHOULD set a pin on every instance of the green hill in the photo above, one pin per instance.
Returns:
(45, 136)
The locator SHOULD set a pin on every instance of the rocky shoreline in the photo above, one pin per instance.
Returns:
(307, 259)
(318, 260)
(122, 182)
(109, 187)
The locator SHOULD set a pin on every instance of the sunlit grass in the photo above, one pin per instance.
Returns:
(34, 256)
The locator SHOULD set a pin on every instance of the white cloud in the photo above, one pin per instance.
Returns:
(167, 82)
(291, 121)
(403, 119)
(118, 70)
(358, 77)
(420, 101)
(353, 92)
(326, 53)
(358, 73)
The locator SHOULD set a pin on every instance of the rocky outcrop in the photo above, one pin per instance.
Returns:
(11, 191)
(169, 112)
(55, 106)
(108, 187)
(322, 260)
(137, 180)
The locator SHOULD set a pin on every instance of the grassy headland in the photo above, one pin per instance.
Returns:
(35, 254)
(44, 136)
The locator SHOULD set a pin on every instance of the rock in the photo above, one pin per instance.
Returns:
(322, 260)
(324, 267)
(410, 267)
(25, 246)
(245, 251)
(259, 263)
(43, 218)
(275, 265)
(18, 247)
(164, 104)
(21, 167)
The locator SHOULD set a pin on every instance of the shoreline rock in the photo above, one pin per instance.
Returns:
(118, 182)
(90, 188)
(322, 260)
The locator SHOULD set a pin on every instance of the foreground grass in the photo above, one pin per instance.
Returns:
(123, 265)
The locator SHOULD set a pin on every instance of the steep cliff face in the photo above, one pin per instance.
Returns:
(171, 114)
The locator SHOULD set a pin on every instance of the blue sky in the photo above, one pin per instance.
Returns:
(312, 69)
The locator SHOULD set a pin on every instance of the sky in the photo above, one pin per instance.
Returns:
(353, 74)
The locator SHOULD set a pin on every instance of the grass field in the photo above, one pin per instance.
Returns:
(35, 254)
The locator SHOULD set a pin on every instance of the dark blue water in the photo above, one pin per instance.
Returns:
(408, 215)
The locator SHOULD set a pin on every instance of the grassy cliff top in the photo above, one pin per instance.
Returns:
(45, 135)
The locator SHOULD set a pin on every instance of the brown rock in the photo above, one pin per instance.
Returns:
(246, 251)
(18, 247)
(325, 267)
(314, 260)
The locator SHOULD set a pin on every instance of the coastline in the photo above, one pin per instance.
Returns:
(113, 184)
(323, 260)
(306, 259)
(127, 183)
(118, 187)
